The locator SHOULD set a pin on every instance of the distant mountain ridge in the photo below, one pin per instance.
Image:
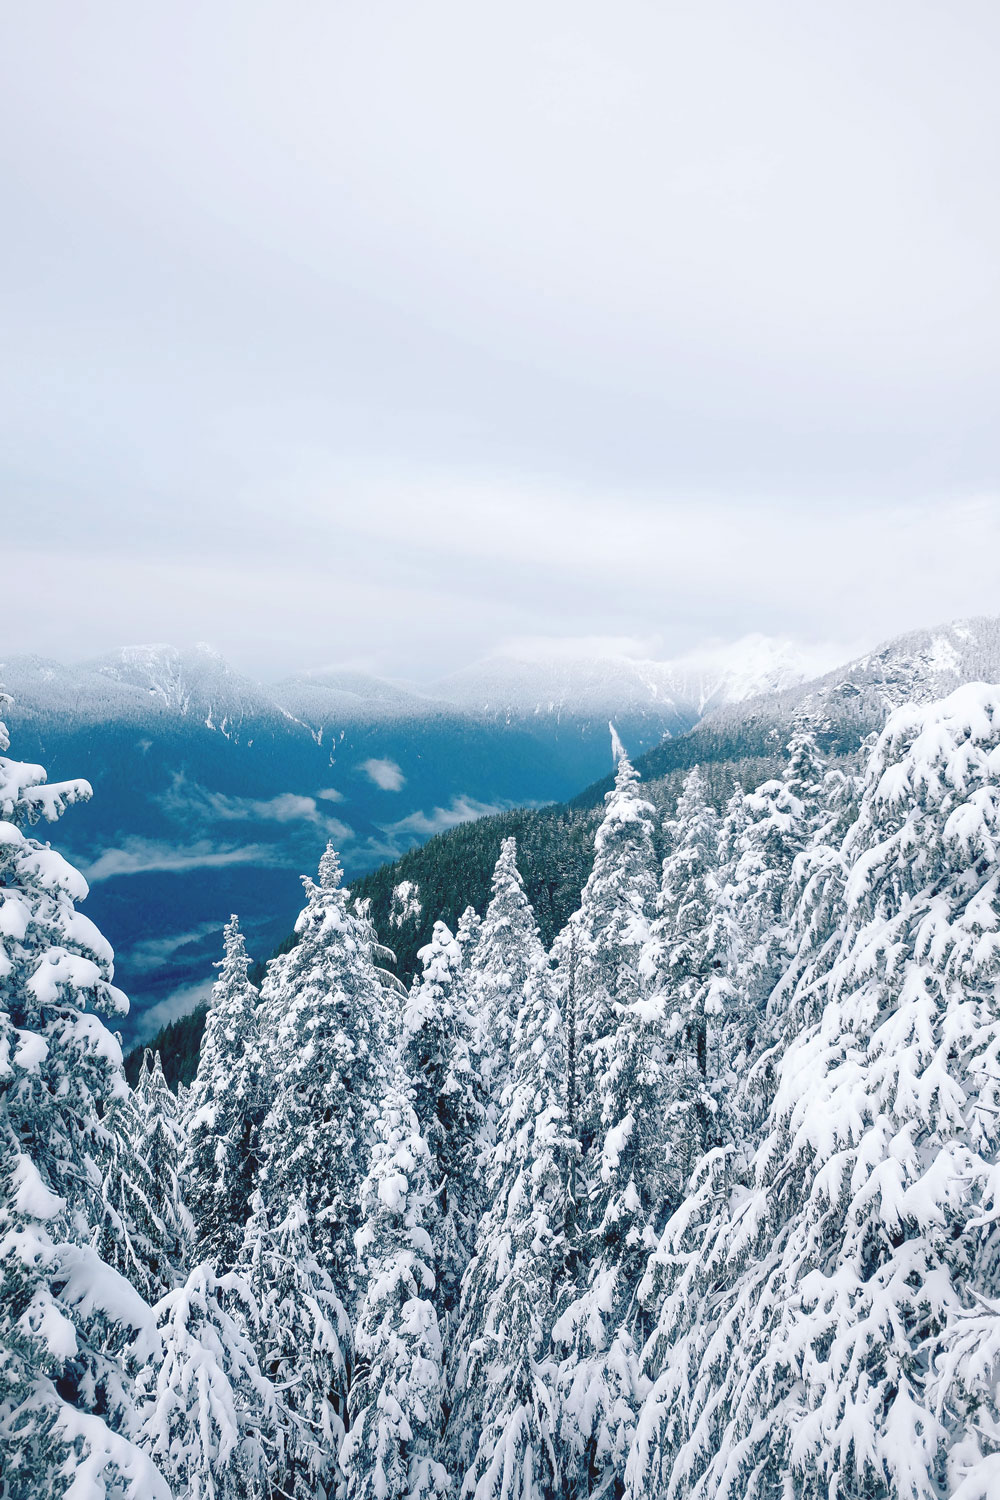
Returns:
(620, 686)
(198, 683)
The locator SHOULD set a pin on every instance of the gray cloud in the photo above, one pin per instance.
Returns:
(434, 325)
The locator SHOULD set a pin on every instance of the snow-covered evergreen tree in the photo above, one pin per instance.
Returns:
(687, 964)
(390, 1451)
(67, 1318)
(146, 1231)
(833, 1332)
(206, 1414)
(159, 1143)
(509, 953)
(223, 1109)
(438, 1041)
(301, 1333)
(327, 1014)
(502, 1429)
(607, 934)
(806, 766)
(764, 831)
(616, 1100)
(467, 933)
(131, 1236)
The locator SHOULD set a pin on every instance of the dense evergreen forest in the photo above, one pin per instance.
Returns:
(696, 1199)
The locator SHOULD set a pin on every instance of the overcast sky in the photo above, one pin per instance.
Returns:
(381, 332)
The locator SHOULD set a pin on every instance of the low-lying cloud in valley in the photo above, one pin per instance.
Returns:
(386, 774)
(422, 825)
(140, 856)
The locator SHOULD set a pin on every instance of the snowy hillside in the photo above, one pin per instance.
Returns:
(913, 668)
(572, 684)
(141, 683)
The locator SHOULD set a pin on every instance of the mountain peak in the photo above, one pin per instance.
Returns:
(528, 679)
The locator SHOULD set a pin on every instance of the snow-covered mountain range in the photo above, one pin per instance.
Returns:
(916, 667)
(576, 683)
(565, 683)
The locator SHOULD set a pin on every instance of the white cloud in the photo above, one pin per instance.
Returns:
(139, 856)
(287, 807)
(330, 794)
(461, 809)
(385, 774)
(185, 799)
(180, 1002)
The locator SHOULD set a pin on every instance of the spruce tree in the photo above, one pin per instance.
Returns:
(395, 1403)
(67, 1318)
(507, 955)
(502, 1429)
(438, 1043)
(206, 1414)
(159, 1143)
(687, 965)
(223, 1109)
(470, 925)
(301, 1333)
(328, 1017)
(636, 1080)
(132, 1235)
(607, 934)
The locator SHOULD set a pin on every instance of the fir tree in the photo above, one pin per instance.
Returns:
(131, 1236)
(502, 1431)
(467, 934)
(506, 957)
(67, 1318)
(687, 964)
(617, 1108)
(301, 1333)
(395, 1398)
(448, 1096)
(328, 1014)
(608, 932)
(850, 1350)
(223, 1109)
(205, 1412)
(159, 1143)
